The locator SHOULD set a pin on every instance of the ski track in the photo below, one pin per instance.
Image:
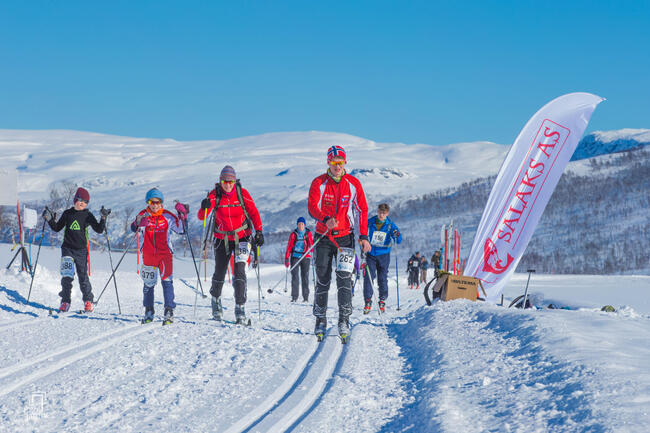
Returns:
(4, 372)
(293, 399)
(66, 361)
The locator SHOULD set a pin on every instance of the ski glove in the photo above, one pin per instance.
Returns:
(141, 220)
(395, 234)
(104, 212)
(205, 203)
(182, 210)
(259, 239)
(286, 263)
(48, 215)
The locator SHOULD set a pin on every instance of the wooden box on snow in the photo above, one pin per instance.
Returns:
(456, 287)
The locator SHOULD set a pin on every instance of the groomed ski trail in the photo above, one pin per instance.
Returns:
(299, 391)
(65, 361)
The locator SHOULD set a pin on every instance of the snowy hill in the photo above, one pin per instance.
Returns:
(276, 168)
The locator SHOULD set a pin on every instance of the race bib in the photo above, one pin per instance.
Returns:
(416, 264)
(345, 260)
(149, 275)
(67, 267)
(243, 253)
(378, 238)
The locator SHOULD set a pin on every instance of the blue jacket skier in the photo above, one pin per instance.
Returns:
(381, 232)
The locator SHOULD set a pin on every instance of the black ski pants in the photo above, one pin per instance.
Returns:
(221, 262)
(80, 257)
(326, 251)
(298, 274)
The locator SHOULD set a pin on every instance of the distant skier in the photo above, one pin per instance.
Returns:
(74, 250)
(381, 231)
(300, 241)
(413, 270)
(424, 266)
(156, 224)
(435, 260)
(235, 216)
(333, 199)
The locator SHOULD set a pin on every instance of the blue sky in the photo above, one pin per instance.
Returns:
(408, 71)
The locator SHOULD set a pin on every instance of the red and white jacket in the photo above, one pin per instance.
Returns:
(293, 237)
(343, 200)
(156, 240)
(229, 214)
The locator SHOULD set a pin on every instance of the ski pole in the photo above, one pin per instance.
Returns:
(126, 250)
(286, 277)
(187, 235)
(259, 284)
(110, 256)
(397, 278)
(366, 273)
(36, 263)
(299, 260)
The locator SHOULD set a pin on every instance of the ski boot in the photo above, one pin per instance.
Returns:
(320, 328)
(240, 316)
(169, 316)
(217, 310)
(344, 329)
(367, 307)
(148, 316)
(64, 307)
(293, 300)
(88, 307)
(382, 306)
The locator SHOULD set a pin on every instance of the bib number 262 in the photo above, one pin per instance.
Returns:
(345, 260)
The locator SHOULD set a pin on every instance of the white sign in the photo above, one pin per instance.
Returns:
(8, 187)
(30, 218)
(523, 187)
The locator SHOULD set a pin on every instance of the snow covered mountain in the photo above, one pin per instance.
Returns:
(603, 142)
(276, 168)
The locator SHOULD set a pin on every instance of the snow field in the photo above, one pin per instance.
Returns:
(456, 366)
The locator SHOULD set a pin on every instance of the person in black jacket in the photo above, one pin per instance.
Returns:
(413, 269)
(74, 251)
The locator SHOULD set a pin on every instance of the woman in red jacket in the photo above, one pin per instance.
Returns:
(235, 217)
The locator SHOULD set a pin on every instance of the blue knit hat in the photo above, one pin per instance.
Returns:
(301, 220)
(154, 193)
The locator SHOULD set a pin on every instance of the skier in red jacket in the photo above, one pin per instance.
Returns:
(300, 241)
(235, 216)
(338, 203)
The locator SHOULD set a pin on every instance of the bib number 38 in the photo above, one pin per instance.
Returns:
(243, 253)
(345, 260)
(67, 267)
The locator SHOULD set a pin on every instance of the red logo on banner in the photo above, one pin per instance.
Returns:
(491, 261)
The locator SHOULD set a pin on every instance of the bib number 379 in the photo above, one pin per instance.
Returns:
(149, 275)
(345, 260)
